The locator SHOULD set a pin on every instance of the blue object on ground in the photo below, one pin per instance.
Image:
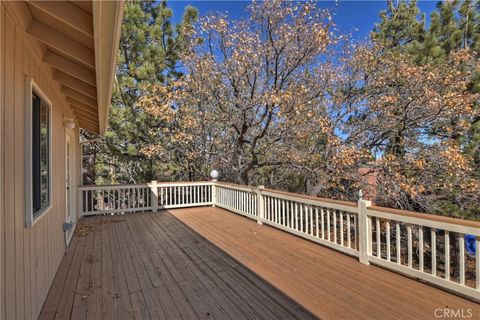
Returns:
(470, 244)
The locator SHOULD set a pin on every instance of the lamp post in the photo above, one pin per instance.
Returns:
(214, 174)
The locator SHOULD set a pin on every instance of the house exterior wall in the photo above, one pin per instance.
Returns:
(29, 257)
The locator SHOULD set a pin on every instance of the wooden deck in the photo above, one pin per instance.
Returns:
(192, 263)
(152, 266)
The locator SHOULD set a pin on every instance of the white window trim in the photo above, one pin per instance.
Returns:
(31, 86)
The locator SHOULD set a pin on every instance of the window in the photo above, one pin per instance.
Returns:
(37, 153)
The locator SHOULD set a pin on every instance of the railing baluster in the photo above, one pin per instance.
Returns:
(316, 223)
(191, 195)
(296, 216)
(433, 237)
(387, 235)
(378, 237)
(341, 228)
(447, 255)
(399, 248)
(292, 217)
(409, 242)
(322, 219)
(279, 211)
(420, 248)
(300, 215)
(334, 226)
(182, 196)
(272, 208)
(355, 231)
(328, 225)
(349, 234)
(174, 195)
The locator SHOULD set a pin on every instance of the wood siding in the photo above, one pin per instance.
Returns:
(29, 257)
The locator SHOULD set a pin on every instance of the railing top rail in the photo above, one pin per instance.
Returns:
(304, 196)
(426, 216)
(103, 186)
(236, 186)
(100, 186)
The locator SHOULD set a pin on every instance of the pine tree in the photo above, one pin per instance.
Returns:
(400, 26)
(150, 50)
(449, 32)
(454, 25)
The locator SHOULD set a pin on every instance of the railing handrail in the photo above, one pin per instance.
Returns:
(104, 186)
(236, 186)
(341, 205)
(133, 185)
(427, 216)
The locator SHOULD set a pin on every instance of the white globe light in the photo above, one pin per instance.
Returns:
(214, 174)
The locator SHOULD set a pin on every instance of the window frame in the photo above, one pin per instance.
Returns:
(30, 88)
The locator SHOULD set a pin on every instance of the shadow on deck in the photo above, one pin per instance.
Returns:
(152, 266)
(155, 266)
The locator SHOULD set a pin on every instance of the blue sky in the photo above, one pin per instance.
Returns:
(349, 15)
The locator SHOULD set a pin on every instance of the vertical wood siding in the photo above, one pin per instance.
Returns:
(29, 257)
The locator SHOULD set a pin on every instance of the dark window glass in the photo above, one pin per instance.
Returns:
(40, 155)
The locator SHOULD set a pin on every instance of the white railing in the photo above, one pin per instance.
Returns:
(423, 246)
(238, 199)
(427, 247)
(394, 239)
(114, 199)
(111, 199)
(333, 224)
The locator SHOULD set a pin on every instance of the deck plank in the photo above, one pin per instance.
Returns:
(122, 297)
(139, 306)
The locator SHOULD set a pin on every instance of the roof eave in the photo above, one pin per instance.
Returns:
(107, 22)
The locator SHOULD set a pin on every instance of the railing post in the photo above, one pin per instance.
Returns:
(260, 206)
(153, 195)
(364, 240)
(214, 192)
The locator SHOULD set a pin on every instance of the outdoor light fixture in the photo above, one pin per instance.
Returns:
(68, 123)
(214, 174)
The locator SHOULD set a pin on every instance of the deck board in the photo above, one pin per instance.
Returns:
(329, 284)
(152, 266)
